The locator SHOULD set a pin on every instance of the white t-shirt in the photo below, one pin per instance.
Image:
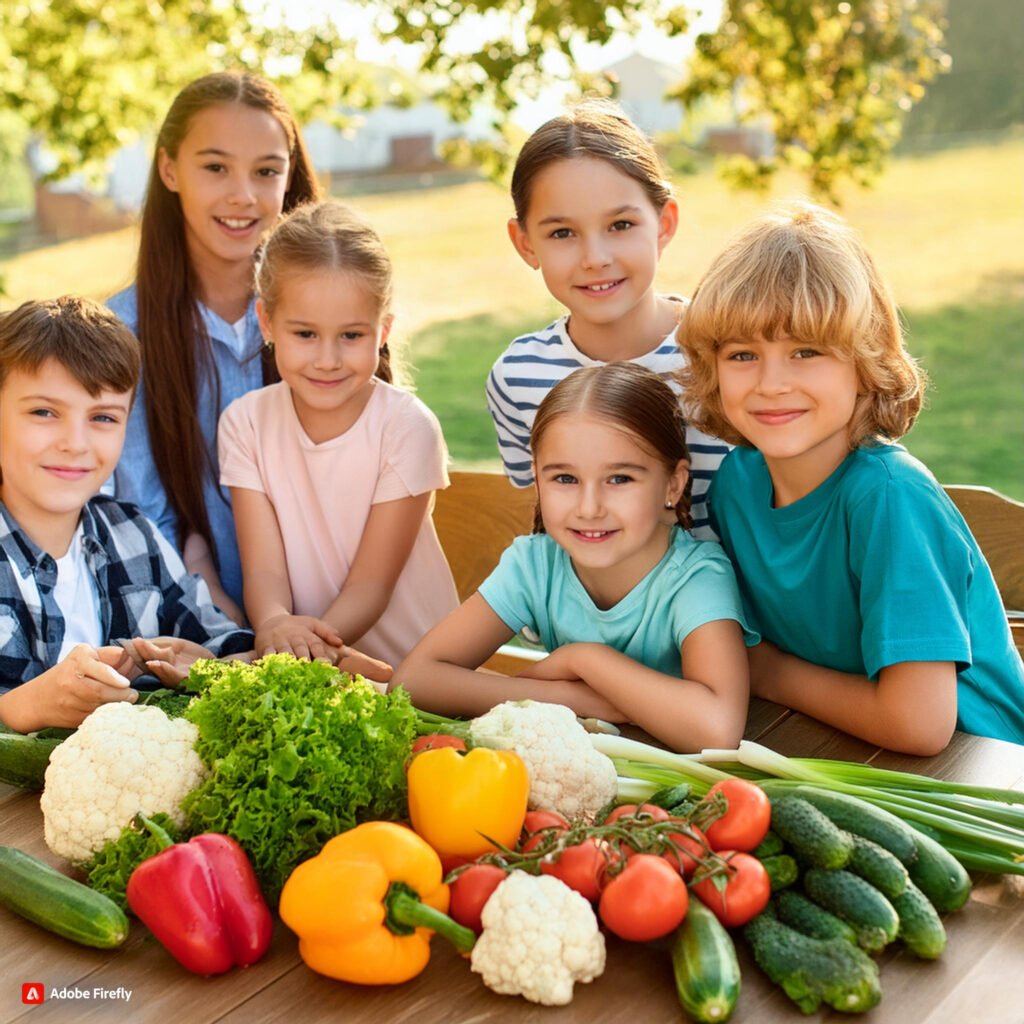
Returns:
(77, 598)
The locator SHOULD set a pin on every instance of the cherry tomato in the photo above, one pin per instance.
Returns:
(740, 894)
(436, 740)
(644, 901)
(746, 821)
(581, 867)
(471, 890)
(626, 810)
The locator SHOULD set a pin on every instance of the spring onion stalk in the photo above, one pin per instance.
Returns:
(983, 827)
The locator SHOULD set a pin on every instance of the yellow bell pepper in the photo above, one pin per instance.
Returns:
(459, 802)
(366, 907)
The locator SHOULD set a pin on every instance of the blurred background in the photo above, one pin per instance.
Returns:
(908, 116)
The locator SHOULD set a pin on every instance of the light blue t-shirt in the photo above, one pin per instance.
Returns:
(874, 567)
(536, 587)
(136, 478)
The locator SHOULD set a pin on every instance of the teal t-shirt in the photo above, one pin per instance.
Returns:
(874, 567)
(535, 587)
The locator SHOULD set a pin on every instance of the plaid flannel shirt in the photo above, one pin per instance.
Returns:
(143, 586)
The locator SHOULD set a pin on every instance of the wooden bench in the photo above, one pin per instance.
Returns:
(480, 514)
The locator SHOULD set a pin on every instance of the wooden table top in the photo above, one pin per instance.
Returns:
(980, 977)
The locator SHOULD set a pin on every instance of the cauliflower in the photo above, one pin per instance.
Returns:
(540, 938)
(566, 773)
(122, 760)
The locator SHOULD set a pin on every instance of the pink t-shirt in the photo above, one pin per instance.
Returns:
(322, 494)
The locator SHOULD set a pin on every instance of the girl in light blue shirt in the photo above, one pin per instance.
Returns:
(642, 622)
(229, 159)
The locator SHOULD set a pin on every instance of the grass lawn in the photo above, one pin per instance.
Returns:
(945, 229)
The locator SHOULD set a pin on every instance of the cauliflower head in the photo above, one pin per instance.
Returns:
(122, 760)
(540, 937)
(567, 774)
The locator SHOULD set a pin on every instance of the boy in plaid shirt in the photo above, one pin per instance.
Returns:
(77, 568)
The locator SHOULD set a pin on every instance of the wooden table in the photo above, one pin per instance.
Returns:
(980, 978)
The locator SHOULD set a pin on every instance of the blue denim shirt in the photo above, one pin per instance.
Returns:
(142, 585)
(136, 479)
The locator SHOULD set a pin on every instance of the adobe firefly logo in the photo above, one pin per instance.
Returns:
(32, 992)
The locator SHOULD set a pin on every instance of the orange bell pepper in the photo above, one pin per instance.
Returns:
(460, 802)
(366, 907)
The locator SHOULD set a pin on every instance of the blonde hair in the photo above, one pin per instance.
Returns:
(327, 236)
(595, 128)
(633, 399)
(801, 271)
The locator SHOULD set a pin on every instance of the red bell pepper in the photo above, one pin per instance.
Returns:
(202, 901)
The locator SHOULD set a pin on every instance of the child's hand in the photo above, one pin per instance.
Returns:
(169, 658)
(301, 635)
(65, 694)
(353, 661)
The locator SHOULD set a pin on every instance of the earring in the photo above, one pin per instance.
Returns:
(670, 504)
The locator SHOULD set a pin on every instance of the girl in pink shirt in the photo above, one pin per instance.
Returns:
(332, 472)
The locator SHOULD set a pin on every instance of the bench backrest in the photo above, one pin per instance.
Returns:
(481, 513)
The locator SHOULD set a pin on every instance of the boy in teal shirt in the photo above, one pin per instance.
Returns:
(879, 613)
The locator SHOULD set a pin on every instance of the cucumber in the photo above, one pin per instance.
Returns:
(43, 895)
(811, 833)
(705, 966)
(806, 917)
(769, 846)
(920, 928)
(782, 870)
(670, 796)
(858, 903)
(863, 819)
(23, 758)
(939, 875)
(877, 865)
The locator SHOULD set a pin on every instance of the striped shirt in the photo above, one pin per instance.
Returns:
(142, 585)
(534, 363)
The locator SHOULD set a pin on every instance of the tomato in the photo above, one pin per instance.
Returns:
(471, 890)
(581, 867)
(687, 852)
(746, 821)
(625, 810)
(436, 740)
(739, 895)
(644, 901)
(536, 820)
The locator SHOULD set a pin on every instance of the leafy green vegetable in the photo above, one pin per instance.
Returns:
(298, 752)
(109, 870)
(171, 702)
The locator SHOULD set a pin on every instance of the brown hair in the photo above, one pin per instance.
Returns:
(87, 339)
(594, 128)
(327, 236)
(627, 396)
(175, 346)
(801, 271)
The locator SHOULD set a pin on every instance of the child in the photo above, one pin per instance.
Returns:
(77, 568)
(229, 159)
(879, 612)
(332, 471)
(643, 622)
(593, 214)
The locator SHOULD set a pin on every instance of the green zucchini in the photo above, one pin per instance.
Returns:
(875, 864)
(939, 875)
(858, 903)
(920, 928)
(705, 966)
(811, 833)
(863, 819)
(48, 898)
(23, 758)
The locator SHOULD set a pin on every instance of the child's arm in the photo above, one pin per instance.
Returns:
(441, 675)
(911, 709)
(65, 694)
(199, 561)
(708, 708)
(266, 588)
(388, 538)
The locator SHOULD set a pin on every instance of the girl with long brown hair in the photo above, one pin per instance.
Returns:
(229, 160)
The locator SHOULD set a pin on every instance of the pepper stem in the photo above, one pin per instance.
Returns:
(140, 821)
(406, 912)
